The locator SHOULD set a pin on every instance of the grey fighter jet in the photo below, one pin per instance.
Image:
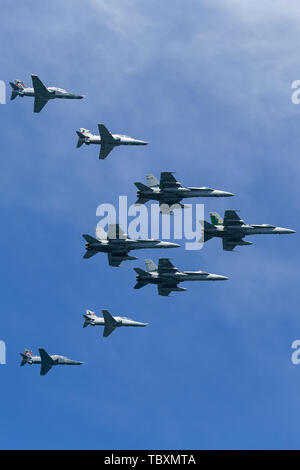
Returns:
(46, 360)
(167, 276)
(107, 140)
(41, 93)
(109, 322)
(233, 229)
(168, 192)
(117, 245)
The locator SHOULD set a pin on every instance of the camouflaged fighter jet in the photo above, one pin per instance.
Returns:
(109, 322)
(168, 192)
(107, 140)
(233, 229)
(167, 276)
(41, 93)
(117, 245)
(46, 360)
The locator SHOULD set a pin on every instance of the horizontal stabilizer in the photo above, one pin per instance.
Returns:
(81, 139)
(141, 272)
(89, 254)
(142, 187)
(13, 95)
(140, 284)
(90, 239)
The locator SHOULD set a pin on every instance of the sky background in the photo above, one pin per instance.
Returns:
(209, 85)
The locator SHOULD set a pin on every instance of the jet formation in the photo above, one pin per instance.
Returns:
(169, 192)
(47, 361)
(41, 93)
(107, 140)
(109, 322)
(117, 245)
(167, 277)
(233, 229)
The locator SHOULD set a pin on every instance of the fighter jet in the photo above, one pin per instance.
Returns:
(107, 140)
(41, 93)
(233, 229)
(168, 191)
(117, 245)
(167, 277)
(109, 322)
(46, 360)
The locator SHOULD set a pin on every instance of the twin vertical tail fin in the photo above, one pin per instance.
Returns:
(215, 218)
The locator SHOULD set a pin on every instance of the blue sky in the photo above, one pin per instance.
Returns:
(209, 85)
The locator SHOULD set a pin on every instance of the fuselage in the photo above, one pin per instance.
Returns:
(245, 230)
(119, 139)
(106, 246)
(178, 193)
(54, 92)
(94, 320)
(58, 360)
(172, 278)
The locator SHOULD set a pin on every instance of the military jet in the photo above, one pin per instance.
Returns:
(109, 322)
(41, 93)
(168, 191)
(107, 140)
(46, 360)
(233, 229)
(167, 277)
(117, 245)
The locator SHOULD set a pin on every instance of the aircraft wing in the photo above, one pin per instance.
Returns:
(47, 361)
(165, 265)
(167, 180)
(115, 259)
(39, 87)
(115, 232)
(39, 103)
(106, 136)
(105, 150)
(45, 368)
(229, 244)
(165, 290)
(110, 323)
(231, 218)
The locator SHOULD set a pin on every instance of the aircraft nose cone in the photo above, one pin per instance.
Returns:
(285, 230)
(224, 194)
(218, 277)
